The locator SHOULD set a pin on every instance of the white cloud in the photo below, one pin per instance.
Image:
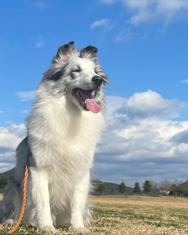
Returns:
(8, 122)
(112, 104)
(1, 111)
(185, 81)
(142, 140)
(41, 5)
(26, 95)
(154, 10)
(150, 104)
(10, 137)
(39, 44)
(25, 111)
(125, 35)
(105, 23)
(6, 166)
(40, 41)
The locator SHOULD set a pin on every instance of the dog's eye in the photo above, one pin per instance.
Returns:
(77, 70)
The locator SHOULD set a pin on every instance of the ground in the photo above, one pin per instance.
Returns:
(134, 215)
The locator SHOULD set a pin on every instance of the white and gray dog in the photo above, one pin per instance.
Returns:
(63, 129)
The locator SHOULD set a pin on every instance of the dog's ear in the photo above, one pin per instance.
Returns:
(89, 50)
(64, 51)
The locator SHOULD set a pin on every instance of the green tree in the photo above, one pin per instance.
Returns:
(174, 190)
(136, 188)
(122, 188)
(101, 188)
(11, 177)
(147, 186)
(3, 181)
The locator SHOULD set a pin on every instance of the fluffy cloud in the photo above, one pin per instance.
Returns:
(181, 137)
(150, 104)
(153, 10)
(10, 137)
(105, 23)
(40, 41)
(112, 103)
(136, 151)
(185, 81)
(125, 35)
(25, 111)
(26, 95)
(142, 140)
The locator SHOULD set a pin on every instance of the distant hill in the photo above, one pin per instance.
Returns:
(8, 173)
(111, 188)
(183, 188)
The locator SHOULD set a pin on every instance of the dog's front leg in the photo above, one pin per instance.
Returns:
(40, 195)
(79, 201)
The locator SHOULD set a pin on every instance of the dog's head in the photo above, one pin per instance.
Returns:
(78, 76)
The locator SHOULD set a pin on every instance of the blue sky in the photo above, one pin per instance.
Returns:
(143, 47)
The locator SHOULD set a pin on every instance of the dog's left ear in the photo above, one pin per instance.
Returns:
(64, 51)
(90, 50)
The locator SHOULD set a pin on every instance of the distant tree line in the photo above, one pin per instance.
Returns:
(165, 187)
(4, 180)
(102, 188)
(171, 188)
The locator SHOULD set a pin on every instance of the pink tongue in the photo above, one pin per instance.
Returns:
(92, 106)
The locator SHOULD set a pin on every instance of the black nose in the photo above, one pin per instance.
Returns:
(97, 80)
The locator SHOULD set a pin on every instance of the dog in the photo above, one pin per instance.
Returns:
(63, 129)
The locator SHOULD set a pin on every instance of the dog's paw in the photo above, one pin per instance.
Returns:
(80, 229)
(48, 229)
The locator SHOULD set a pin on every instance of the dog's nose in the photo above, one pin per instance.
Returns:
(97, 80)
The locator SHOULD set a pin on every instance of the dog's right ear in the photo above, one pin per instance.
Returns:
(64, 51)
(90, 50)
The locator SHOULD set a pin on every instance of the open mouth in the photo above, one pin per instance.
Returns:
(86, 100)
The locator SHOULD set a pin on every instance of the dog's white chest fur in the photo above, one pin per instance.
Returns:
(63, 148)
(68, 139)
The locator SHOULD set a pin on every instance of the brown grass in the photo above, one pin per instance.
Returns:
(178, 202)
(134, 215)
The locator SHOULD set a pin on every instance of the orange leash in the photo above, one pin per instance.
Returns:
(24, 197)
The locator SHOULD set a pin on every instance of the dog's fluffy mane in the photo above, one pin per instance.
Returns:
(61, 68)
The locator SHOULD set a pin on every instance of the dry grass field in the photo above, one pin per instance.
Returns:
(134, 215)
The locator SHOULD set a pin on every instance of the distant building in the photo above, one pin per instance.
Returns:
(164, 192)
